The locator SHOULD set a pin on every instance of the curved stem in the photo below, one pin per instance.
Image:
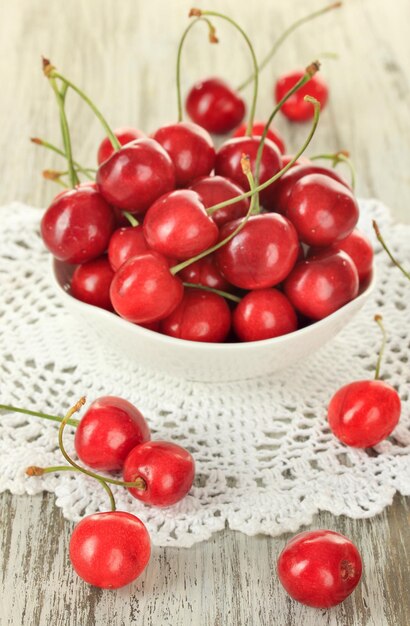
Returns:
(50, 146)
(131, 218)
(384, 245)
(285, 35)
(339, 157)
(255, 76)
(379, 320)
(45, 416)
(65, 132)
(219, 292)
(248, 194)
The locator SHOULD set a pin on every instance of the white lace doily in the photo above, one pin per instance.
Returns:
(266, 460)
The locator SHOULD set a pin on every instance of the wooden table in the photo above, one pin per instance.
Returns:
(124, 54)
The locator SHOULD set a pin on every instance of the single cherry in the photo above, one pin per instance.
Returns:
(257, 129)
(77, 225)
(215, 106)
(191, 150)
(177, 225)
(136, 175)
(263, 314)
(319, 568)
(143, 289)
(261, 255)
(108, 431)
(124, 136)
(320, 286)
(110, 550)
(165, 472)
(360, 250)
(205, 272)
(215, 189)
(125, 243)
(91, 283)
(295, 108)
(200, 316)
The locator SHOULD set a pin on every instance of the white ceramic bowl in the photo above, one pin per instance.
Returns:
(205, 362)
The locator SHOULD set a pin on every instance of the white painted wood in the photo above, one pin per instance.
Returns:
(123, 53)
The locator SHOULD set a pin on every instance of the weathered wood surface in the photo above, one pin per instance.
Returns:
(123, 52)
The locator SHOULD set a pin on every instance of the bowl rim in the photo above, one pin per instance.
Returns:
(203, 345)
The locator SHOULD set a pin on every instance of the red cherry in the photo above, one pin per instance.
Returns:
(215, 189)
(77, 225)
(263, 314)
(177, 225)
(363, 413)
(228, 162)
(125, 243)
(319, 568)
(136, 175)
(261, 255)
(166, 469)
(322, 210)
(215, 106)
(110, 550)
(360, 250)
(201, 316)
(318, 287)
(257, 129)
(108, 431)
(295, 108)
(190, 148)
(302, 160)
(204, 272)
(124, 136)
(143, 290)
(91, 283)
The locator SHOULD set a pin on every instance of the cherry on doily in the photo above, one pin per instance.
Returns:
(91, 283)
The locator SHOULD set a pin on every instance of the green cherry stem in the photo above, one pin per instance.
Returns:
(285, 35)
(52, 73)
(212, 39)
(45, 416)
(219, 292)
(255, 76)
(379, 320)
(46, 144)
(385, 247)
(131, 218)
(55, 177)
(339, 157)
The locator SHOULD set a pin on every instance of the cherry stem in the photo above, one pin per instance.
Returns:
(255, 76)
(384, 245)
(339, 157)
(246, 168)
(54, 176)
(51, 72)
(131, 218)
(45, 416)
(219, 292)
(50, 146)
(285, 35)
(259, 188)
(139, 482)
(212, 39)
(379, 320)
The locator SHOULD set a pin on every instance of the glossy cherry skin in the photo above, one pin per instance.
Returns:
(322, 210)
(295, 108)
(363, 413)
(190, 148)
(360, 250)
(125, 243)
(320, 286)
(261, 255)
(77, 225)
(136, 175)
(282, 188)
(143, 289)
(200, 316)
(257, 129)
(167, 469)
(205, 272)
(124, 135)
(263, 314)
(215, 106)
(110, 550)
(215, 189)
(177, 225)
(228, 162)
(108, 431)
(91, 283)
(319, 568)
(302, 160)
